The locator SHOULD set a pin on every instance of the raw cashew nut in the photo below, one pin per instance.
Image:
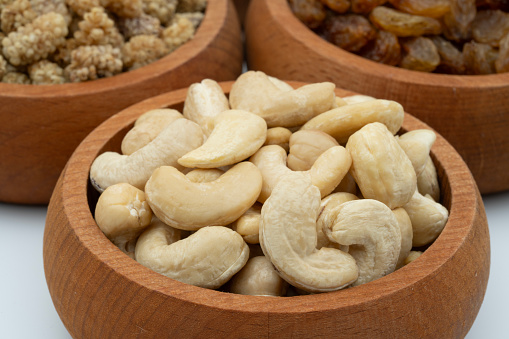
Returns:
(427, 181)
(405, 227)
(204, 174)
(258, 277)
(306, 146)
(371, 231)
(413, 255)
(428, 218)
(256, 93)
(355, 99)
(288, 239)
(417, 145)
(344, 121)
(334, 199)
(205, 101)
(280, 84)
(177, 139)
(248, 225)
(187, 205)
(147, 127)
(207, 258)
(380, 166)
(236, 136)
(326, 173)
(122, 214)
(278, 136)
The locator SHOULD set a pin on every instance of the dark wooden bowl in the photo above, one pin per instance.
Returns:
(471, 112)
(99, 292)
(42, 125)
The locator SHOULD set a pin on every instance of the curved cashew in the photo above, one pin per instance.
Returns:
(258, 277)
(427, 181)
(122, 214)
(288, 238)
(344, 121)
(204, 174)
(207, 258)
(278, 136)
(405, 227)
(306, 146)
(256, 93)
(175, 140)
(371, 231)
(236, 136)
(380, 166)
(413, 255)
(355, 99)
(333, 199)
(205, 101)
(326, 173)
(248, 225)
(417, 145)
(428, 218)
(147, 127)
(280, 84)
(187, 205)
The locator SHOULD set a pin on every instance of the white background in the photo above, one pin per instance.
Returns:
(26, 309)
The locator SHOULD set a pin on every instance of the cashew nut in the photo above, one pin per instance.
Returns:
(258, 277)
(405, 227)
(280, 84)
(413, 255)
(288, 238)
(427, 181)
(204, 174)
(205, 101)
(248, 225)
(326, 173)
(371, 231)
(177, 139)
(417, 145)
(187, 205)
(256, 93)
(343, 121)
(380, 166)
(428, 218)
(333, 199)
(207, 258)
(147, 127)
(278, 136)
(355, 99)
(306, 146)
(122, 214)
(236, 136)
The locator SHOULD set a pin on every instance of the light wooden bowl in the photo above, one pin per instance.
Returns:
(471, 112)
(42, 125)
(99, 292)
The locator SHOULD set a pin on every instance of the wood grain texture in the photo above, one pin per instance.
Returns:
(471, 112)
(241, 6)
(99, 292)
(42, 125)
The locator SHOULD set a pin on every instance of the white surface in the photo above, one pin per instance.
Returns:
(26, 309)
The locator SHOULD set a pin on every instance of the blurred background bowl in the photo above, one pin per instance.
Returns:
(99, 292)
(41, 125)
(471, 112)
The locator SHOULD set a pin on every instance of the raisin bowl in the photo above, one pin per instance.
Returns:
(470, 111)
(43, 124)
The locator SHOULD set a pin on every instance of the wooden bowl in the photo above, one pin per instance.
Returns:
(99, 292)
(471, 112)
(42, 125)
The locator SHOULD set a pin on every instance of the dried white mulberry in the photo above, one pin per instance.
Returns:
(180, 31)
(142, 50)
(191, 5)
(46, 6)
(35, 41)
(3, 66)
(45, 72)
(16, 78)
(124, 8)
(161, 9)
(81, 7)
(98, 29)
(17, 14)
(93, 62)
(142, 25)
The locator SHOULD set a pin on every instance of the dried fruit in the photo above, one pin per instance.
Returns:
(403, 24)
(490, 26)
(338, 6)
(384, 49)
(429, 8)
(451, 59)
(310, 12)
(420, 54)
(502, 62)
(457, 22)
(365, 6)
(350, 32)
(479, 58)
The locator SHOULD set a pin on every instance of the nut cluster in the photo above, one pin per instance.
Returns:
(271, 191)
(59, 41)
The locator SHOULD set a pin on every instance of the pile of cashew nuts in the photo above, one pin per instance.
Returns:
(271, 191)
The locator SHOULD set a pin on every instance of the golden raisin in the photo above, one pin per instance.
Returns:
(384, 49)
(479, 58)
(310, 12)
(419, 54)
(403, 24)
(430, 8)
(490, 26)
(350, 32)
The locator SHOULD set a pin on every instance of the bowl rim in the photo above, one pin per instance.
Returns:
(74, 196)
(215, 15)
(284, 18)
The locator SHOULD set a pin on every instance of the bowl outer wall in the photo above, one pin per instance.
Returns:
(42, 125)
(471, 112)
(100, 293)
